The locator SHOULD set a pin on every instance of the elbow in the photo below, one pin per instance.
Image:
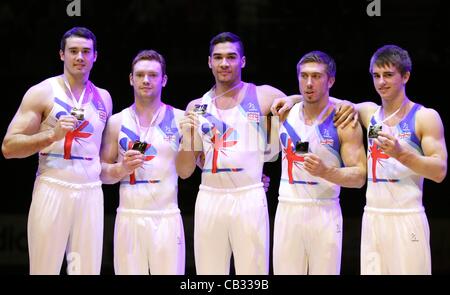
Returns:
(361, 182)
(183, 173)
(441, 175)
(6, 151)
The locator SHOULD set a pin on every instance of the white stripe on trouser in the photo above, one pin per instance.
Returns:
(67, 218)
(148, 241)
(231, 221)
(307, 237)
(395, 242)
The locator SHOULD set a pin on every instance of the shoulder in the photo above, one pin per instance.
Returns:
(106, 97)
(177, 113)
(267, 90)
(428, 119)
(39, 95)
(427, 113)
(116, 119)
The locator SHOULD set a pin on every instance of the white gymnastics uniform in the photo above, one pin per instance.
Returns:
(308, 221)
(395, 233)
(66, 212)
(149, 234)
(231, 214)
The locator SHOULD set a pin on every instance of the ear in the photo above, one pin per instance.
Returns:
(95, 56)
(331, 82)
(164, 81)
(243, 60)
(131, 79)
(406, 77)
(61, 55)
(209, 62)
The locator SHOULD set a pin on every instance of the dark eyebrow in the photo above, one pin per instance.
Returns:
(83, 48)
(226, 54)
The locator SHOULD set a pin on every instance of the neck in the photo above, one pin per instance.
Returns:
(76, 82)
(312, 110)
(227, 96)
(221, 88)
(390, 106)
(146, 109)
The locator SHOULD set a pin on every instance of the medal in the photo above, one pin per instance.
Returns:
(77, 113)
(200, 109)
(302, 147)
(139, 146)
(373, 130)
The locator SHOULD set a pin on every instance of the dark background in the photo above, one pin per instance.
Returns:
(275, 34)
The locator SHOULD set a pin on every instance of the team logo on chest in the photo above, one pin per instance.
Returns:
(327, 139)
(169, 136)
(405, 132)
(252, 113)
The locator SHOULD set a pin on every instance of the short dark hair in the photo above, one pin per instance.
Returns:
(149, 55)
(319, 57)
(79, 32)
(391, 55)
(226, 37)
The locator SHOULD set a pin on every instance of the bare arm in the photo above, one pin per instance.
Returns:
(191, 145)
(365, 111)
(113, 171)
(433, 163)
(345, 110)
(353, 156)
(23, 137)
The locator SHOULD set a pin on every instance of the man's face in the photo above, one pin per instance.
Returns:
(388, 81)
(314, 82)
(226, 62)
(147, 79)
(78, 56)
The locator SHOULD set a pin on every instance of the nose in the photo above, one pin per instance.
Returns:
(224, 62)
(146, 79)
(309, 82)
(80, 55)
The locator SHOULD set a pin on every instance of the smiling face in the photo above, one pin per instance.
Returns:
(226, 63)
(388, 81)
(78, 56)
(147, 79)
(314, 82)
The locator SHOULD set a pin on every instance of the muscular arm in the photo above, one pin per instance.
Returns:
(23, 137)
(191, 145)
(353, 156)
(113, 171)
(433, 163)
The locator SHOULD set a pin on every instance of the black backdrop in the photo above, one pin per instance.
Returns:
(275, 34)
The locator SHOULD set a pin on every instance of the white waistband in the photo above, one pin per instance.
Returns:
(394, 211)
(148, 212)
(230, 190)
(78, 186)
(318, 201)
